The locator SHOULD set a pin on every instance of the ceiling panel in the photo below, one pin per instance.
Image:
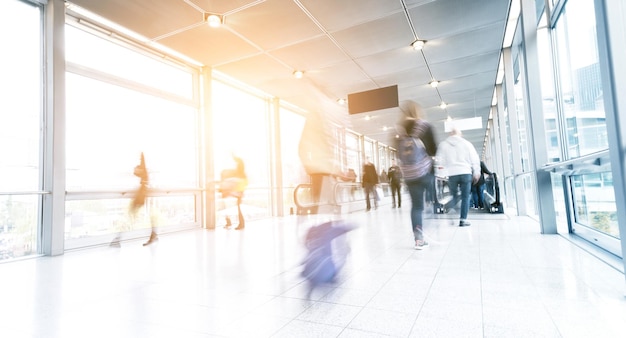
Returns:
(442, 18)
(222, 7)
(311, 54)
(146, 17)
(466, 44)
(466, 66)
(386, 34)
(210, 46)
(391, 62)
(335, 15)
(406, 78)
(255, 70)
(273, 23)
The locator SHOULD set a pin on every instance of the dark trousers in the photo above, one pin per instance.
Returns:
(477, 196)
(416, 188)
(316, 190)
(464, 184)
(395, 190)
(370, 189)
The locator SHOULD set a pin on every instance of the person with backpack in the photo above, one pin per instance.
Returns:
(415, 146)
(459, 159)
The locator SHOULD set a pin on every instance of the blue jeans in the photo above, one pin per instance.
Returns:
(464, 183)
(477, 196)
(416, 189)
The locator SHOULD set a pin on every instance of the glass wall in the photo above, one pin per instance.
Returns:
(594, 202)
(116, 111)
(20, 128)
(291, 124)
(241, 128)
(580, 80)
(353, 154)
(548, 92)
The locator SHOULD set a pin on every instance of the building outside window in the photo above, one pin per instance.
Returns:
(21, 116)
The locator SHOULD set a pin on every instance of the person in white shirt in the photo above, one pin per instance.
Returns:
(459, 159)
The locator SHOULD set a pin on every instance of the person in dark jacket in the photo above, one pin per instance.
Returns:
(395, 179)
(479, 187)
(369, 182)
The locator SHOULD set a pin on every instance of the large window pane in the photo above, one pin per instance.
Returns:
(548, 94)
(594, 202)
(20, 128)
(353, 159)
(581, 83)
(241, 127)
(522, 130)
(109, 124)
(89, 51)
(560, 209)
(104, 140)
(102, 217)
(20, 97)
(291, 125)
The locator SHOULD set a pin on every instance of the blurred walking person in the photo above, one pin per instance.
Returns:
(369, 182)
(233, 184)
(459, 159)
(323, 261)
(416, 145)
(478, 188)
(138, 201)
(316, 154)
(325, 254)
(395, 182)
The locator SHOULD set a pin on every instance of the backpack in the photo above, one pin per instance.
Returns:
(414, 160)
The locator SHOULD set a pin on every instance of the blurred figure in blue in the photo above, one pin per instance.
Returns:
(325, 257)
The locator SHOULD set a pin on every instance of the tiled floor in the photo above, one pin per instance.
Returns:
(496, 278)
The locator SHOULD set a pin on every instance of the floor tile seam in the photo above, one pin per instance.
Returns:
(343, 328)
(363, 307)
(568, 267)
(426, 295)
(543, 301)
(480, 267)
(581, 248)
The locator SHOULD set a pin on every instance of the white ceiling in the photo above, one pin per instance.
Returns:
(343, 46)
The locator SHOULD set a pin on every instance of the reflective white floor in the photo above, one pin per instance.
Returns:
(496, 278)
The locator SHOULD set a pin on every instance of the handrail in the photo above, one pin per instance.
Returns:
(337, 200)
(39, 192)
(584, 164)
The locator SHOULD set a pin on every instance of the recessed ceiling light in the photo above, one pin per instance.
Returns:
(367, 117)
(298, 74)
(341, 101)
(418, 45)
(434, 83)
(213, 20)
(443, 105)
